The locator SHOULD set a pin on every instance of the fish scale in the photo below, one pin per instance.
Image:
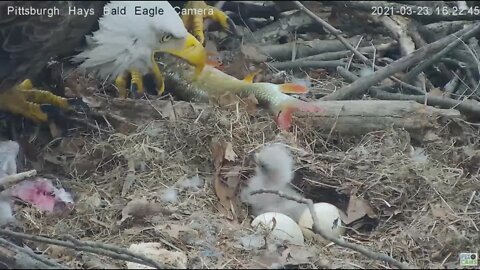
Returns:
(180, 77)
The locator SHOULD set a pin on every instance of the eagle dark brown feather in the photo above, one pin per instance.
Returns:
(28, 42)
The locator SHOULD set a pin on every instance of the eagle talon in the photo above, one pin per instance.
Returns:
(136, 84)
(195, 24)
(34, 104)
(26, 85)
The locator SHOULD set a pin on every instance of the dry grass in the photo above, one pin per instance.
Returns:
(427, 210)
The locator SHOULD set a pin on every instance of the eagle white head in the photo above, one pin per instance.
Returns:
(125, 42)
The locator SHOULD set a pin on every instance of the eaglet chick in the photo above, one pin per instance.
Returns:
(274, 171)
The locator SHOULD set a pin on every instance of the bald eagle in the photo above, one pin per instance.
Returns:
(32, 32)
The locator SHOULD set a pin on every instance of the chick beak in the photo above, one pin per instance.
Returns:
(193, 52)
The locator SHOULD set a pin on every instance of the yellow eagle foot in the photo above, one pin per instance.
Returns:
(136, 87)
(36, 105)
(194, 22)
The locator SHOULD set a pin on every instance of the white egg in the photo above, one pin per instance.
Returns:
(283, 227)
(328, 218)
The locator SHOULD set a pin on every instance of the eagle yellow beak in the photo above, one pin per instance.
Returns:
(193, 52)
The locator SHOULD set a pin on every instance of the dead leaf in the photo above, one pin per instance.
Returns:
(218, 152)
(229, 153)
(140, 209)
(357, 209)
(225, 188)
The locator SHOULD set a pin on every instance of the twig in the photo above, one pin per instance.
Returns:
(92, 247)
(280, 28)
(370, 254)
(467, 107)
(309, 64)
(421, 67)
(46, 262)
(336, 33)
(341, 54)
(15, 178)
(303, 48)
(361, 85)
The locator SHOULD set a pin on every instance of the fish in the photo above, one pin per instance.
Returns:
(187, 85)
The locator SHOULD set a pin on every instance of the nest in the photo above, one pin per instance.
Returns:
(426, 200)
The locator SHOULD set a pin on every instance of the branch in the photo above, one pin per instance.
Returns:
(18, 260)
(361, 85)
(467, 107)
(437, 57)
(370, 254)
(92, 247)
(302, 48)
(283, 27)
(334, 31)
(309, 64)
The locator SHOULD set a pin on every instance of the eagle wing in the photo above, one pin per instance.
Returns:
(28, 42)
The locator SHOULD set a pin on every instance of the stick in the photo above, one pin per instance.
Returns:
(368, 253)
(15, 178)
(303, 49)
(92, 247)
(430, 61)
(361, 85)
(336, 32)
(14, 256)
(283, 27)
(469, 107)
(309, 64)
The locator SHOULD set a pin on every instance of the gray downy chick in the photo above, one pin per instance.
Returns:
(274, 171)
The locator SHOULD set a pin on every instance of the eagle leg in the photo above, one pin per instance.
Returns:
(194, 23)
(136, 83)
(14, 101)
(159, 79)
(121, 84)
(34, 104)
(137, 88)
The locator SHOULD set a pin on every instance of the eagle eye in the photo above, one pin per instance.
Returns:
(166, 37)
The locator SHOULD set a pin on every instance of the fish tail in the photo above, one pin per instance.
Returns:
(285, 111)
(293, 88)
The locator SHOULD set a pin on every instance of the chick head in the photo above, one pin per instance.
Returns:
(274, 165)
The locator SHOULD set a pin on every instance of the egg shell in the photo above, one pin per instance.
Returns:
(285, 227)
(328, 218)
